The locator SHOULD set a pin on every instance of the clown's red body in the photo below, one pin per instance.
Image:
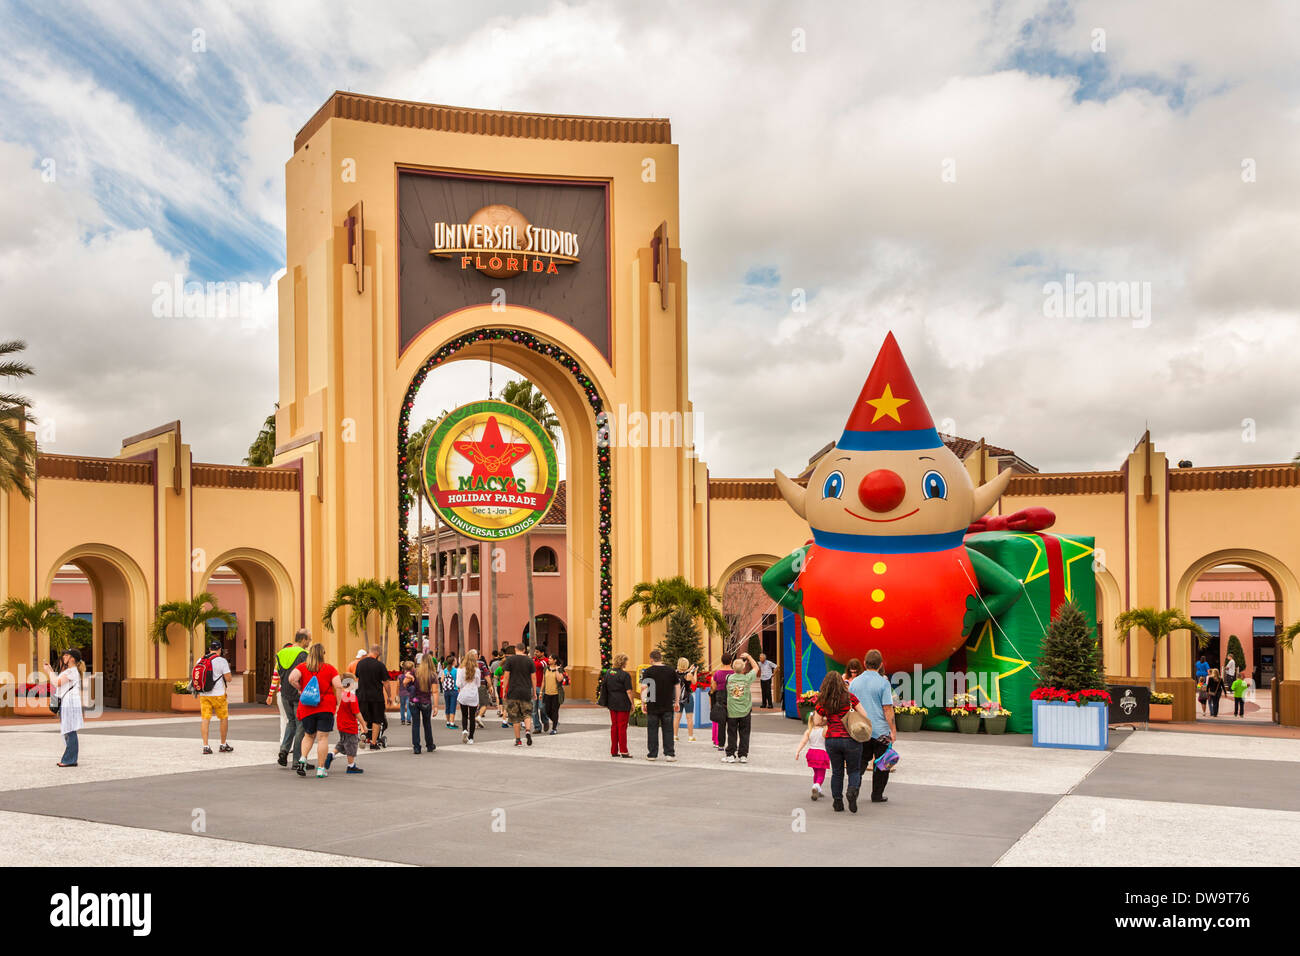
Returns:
(917, 601)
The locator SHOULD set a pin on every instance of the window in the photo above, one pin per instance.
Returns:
(545, 561)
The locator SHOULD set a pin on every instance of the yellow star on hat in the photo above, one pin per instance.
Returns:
(887, 404)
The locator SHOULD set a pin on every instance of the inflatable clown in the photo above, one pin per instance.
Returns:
(888, 507)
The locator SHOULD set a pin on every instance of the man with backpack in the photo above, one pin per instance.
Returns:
(286, 660)
(208, 682)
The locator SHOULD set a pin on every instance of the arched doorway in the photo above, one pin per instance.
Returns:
(1241, 598)
(575, 395)
(253, 582)
(453, 637)
(119, 610)
(551, 635)
(472, 636)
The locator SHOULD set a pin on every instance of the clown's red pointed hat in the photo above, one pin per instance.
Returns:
(890, 412)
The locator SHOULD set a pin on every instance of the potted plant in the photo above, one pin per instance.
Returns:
(637, 718)
(993, 718)
(807, 703)
(909, 717)
(33, 700)
(183, 702)
(1071, 702)
(1162, 708)
(965, 713)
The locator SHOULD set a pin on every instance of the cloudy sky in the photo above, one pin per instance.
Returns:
(930, 168)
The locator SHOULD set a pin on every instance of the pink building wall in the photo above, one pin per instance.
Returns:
(549, 594)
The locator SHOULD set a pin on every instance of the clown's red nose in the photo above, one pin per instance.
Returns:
(882, 490)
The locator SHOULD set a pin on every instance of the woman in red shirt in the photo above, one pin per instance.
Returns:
(317, 721)
(834, 701)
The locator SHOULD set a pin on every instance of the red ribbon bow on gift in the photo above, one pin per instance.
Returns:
(1026, 519)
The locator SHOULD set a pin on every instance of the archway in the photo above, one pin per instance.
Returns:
(268, 620)
(576, 398)
(551, 635)
(473, 635)
(1115, 654)
(453, 637)
(1232, 591)
(120, 616)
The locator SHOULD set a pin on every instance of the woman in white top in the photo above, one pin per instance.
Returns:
(66, 686)
(467, 684)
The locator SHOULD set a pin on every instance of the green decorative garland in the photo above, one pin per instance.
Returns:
(571, 365)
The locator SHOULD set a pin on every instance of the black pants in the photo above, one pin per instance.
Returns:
(767, 693)
(870, 751)
(467, 721)
(551, 707)
(738, 735)
(422, 713)
(845, 754)
(654, 722)
(1214, 705)
(1239, 707)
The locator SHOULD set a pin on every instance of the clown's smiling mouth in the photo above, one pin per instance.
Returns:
(899, 518)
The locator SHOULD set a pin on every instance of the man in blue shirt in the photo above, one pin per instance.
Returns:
(872, 688)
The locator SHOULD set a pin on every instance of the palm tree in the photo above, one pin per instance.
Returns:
(34, 618)
(658, 601)
(524, 396)
(359, 599)
(394, 605)
(17, 445)
(1159, 624)
(190, 615)
(262, 451)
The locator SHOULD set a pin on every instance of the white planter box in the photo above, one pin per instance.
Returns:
(1070, 726)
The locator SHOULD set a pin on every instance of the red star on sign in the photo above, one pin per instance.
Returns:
(491, 455)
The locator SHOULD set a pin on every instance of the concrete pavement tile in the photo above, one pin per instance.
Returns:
(1102, 831)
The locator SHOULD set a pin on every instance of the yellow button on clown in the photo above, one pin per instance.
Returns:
(889, 506)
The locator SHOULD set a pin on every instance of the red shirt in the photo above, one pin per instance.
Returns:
(325, 679)
(349, 710)
(834, 722)
(539, 670)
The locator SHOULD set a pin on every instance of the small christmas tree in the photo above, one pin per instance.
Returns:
(1237, 653)
(1069, 658)
(682, 640)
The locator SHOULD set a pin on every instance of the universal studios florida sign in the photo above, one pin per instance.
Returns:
(489, 470)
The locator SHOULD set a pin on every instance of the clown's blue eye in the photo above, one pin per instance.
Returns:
(834, 486)
(933, 485)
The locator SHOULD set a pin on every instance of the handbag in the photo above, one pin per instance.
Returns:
(602, 693)
(856, 726)
(55, 703)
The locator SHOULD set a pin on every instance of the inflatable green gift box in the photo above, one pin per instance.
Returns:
(1052, 569)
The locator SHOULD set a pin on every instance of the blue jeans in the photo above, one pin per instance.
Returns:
(539, 716)
(403, 707)
(844, 752)
(72, 748)
(653, 722)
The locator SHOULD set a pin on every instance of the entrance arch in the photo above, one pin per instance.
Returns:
(1286, 595)
(120, 617)
(270, 611)
(569, 378)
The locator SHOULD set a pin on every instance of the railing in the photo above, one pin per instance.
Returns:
(1226, 479)
(1084, 483)
(114, 470)
(238, 476)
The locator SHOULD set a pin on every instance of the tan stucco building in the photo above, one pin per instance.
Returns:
(366, 309)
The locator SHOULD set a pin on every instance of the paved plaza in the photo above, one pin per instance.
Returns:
(143, 794)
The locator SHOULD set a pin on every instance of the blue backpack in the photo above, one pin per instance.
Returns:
(310, 696)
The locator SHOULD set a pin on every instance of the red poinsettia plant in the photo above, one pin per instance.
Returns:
(1059, 695)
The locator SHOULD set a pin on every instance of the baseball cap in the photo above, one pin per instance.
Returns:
(361, 653)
